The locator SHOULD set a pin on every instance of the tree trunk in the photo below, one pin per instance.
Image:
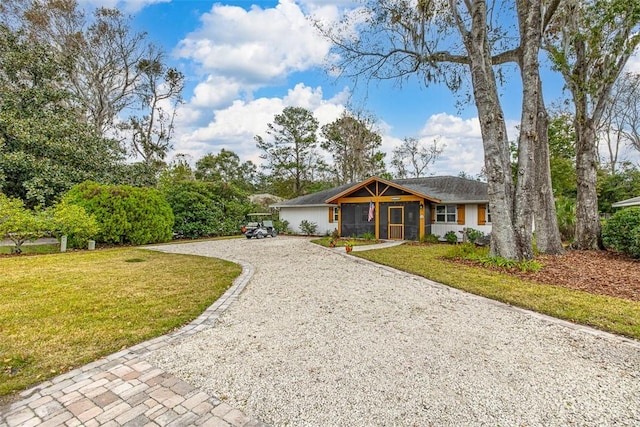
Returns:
(494, 138)
(587, 236)
(548, 238)
(529, 17)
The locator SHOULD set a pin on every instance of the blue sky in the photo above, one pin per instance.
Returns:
(246, 60)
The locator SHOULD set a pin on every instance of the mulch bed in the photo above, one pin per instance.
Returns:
(596, 272)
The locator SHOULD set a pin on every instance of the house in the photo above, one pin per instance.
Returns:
(401, 209)
(625, 203)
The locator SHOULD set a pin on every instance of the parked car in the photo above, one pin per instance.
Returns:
(259, 225)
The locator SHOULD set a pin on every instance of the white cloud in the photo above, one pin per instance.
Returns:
(215, 92)
(235, 126)
(256, 46)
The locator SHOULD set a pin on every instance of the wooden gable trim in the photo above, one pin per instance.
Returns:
(378, 181)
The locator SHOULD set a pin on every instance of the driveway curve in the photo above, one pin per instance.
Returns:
(319, 338)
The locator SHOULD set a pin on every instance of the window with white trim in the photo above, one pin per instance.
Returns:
(335, 214)
(446, 213)
(488, 214)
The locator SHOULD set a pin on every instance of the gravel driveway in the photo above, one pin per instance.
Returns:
(320, 339)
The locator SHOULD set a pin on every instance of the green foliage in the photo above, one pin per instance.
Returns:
(125, 214)
(430, 238)
(335, 234)
(47, 147)
(470, 251)
(290, 150)
(226, 167)
(473, 235)
(20, 224)
(368, 236)
(464, 251)
(355, 147)
(622, 185)
(562, 155)
(308, 227)
(566, 214)
(622, 231)
(451, 236)
(281, 226)
(74, 222)
(206, 209)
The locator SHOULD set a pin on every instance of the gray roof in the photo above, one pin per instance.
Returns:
(445, 188)
(629, 202)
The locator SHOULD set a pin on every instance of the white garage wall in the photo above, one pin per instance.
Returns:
(317, 214)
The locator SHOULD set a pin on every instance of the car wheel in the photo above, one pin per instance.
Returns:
(274, 233)
(248, 236)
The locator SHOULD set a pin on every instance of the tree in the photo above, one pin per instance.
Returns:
(46, 147)
(589, 43)
(620, 122)
(355, 147)
(226, 167)
(398, 38)
(102, 53)
(413, 158)
(20, 224)
(290, 150)
(159, 93)
(563, 155)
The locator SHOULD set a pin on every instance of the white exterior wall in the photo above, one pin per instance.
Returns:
(471, 221)
(317, 214)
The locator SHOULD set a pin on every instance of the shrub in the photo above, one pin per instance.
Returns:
(74, 222)
(281, 226)
(566, 214)
(464, 251)
(124, 214)
(335, 235)
(369, 236)
(622, 231)
(473, 235)
(204, 209)
(430, 238)
(308, 227)
(451, 237)
(20, 224)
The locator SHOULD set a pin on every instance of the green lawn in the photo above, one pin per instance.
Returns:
(607, 313)
(60, 311)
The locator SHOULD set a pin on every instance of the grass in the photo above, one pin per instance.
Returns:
(61, 311)
(615, 315)
(32, 249)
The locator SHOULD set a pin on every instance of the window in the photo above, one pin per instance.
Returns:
(488, 214)
(335, 214)
(446, 213)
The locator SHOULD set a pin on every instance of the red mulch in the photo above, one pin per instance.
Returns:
(596, 272)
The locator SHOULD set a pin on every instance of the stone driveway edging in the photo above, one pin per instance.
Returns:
(122, 389)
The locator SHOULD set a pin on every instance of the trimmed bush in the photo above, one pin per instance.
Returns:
(125, 214)
(622, 231)
(20, 224)
(205, 209)
(74, 222)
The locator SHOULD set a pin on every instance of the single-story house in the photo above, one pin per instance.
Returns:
(625, 203)
(401, 209)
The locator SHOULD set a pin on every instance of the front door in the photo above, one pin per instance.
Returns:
(396, 222)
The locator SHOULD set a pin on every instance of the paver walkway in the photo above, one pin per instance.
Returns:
(125, 390)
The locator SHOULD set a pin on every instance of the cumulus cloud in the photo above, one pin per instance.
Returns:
(256, 46)
(234, 127)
